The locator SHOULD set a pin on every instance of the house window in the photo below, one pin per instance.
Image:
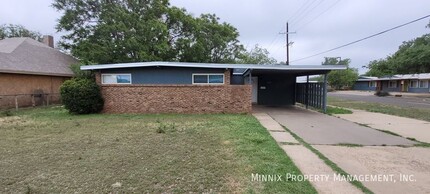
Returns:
(116, 78)
(414, 84)
(372, 84)
(392, 84)
(424, 83)
(202, 78)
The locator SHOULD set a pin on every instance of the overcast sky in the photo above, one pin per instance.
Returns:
(319, 24)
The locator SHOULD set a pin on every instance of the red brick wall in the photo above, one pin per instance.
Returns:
(184, 98)
(177, 99)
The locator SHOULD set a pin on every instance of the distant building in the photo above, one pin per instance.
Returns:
(415, 83)
(30, 70)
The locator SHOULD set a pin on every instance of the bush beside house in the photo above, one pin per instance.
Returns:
(81, 96)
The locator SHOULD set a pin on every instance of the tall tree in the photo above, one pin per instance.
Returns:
(339, 79)
(256, 55)
(335, 61)
(13, 30)
(413, 56)
(379, 68)
(103, 31)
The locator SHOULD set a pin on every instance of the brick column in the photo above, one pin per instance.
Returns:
(227, 74)
(98, 78)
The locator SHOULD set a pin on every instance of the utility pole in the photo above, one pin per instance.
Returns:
(288, 43)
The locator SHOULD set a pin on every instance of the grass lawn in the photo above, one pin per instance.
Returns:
(415, 113)
(336, 110)
(46, 150)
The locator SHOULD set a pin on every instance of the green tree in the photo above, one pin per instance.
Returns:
(379, 68)
(256, 55)
(13, 30)
(413, 56)
(112, 31)
(336, 61)
(339, 79)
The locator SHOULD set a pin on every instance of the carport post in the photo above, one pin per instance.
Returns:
(250, 76)
(307, 91)
(325, 94)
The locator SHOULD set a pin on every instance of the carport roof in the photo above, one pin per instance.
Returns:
(270, 68)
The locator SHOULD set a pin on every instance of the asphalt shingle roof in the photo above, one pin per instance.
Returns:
(28, 56)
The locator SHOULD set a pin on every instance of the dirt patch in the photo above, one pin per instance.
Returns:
(411, 164)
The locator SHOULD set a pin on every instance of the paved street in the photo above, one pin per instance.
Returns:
(415, 102)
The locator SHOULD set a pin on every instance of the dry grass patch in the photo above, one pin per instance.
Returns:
(49, 151)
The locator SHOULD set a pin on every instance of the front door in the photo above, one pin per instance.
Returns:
(254, 83)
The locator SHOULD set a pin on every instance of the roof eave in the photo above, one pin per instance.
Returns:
(208, 65)
(36, 73)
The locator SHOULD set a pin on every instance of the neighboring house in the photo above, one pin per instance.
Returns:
(415, 83)
(31, 72)
(365, 83)
(175, 87)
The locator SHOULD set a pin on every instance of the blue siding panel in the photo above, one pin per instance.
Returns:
(418, 90)
(237, 80)
(386, 88)
(363, 85)
(162, 75)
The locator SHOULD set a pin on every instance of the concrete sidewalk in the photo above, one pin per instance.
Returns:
(318, 128)
(277, 131)
(406, 127)
(304, 159)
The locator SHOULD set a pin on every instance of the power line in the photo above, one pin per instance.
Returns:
(273, 41)
(298, 11)
(377, 34)
(309, 11)
(331, 6)
(303, 13)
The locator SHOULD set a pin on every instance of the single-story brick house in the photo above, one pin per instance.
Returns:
(31, 72)
(178, 87)
(415, 83)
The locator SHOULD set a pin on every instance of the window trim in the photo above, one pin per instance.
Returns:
(116, 74)
(411, 85)
(425, 81)
(208, 74)
(392, 81)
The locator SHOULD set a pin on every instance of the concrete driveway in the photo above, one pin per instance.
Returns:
(318, 128)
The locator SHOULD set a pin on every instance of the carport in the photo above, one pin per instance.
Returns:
(276, 85)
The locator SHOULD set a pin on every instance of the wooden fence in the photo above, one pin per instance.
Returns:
(311, 94)
(28, 100)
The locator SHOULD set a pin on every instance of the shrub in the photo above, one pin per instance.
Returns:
(81, 96)
(382, 93)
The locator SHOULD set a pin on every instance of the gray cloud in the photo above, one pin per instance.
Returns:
(259, 22)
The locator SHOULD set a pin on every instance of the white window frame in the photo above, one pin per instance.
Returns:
(411, 85)
(116, 74)
(392, 81)
(371, 85)
(208, 74)
(426, 85)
